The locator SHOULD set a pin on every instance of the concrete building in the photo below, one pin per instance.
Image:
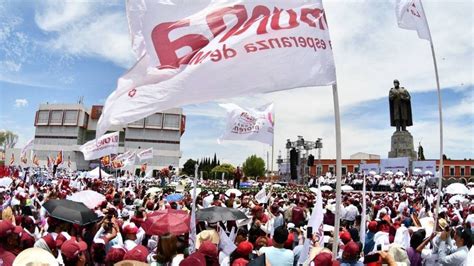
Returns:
(67, 126)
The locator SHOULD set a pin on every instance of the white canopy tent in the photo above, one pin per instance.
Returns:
(95, 173)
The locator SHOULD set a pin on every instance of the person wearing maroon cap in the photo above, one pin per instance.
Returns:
(210, 252)
(138, 253)
(9, 235)
(369, 237)
(242, 252)
(73, 252)
(351, 254)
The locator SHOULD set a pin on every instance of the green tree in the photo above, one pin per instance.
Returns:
(254, 166)
(226, 168)
(8, 139)
(188, 167)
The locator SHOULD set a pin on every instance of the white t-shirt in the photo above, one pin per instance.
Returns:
(278, 256)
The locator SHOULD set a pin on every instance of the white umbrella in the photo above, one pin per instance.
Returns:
(347, 188)
(377, 176)
(153, 190)
(372, 172)
(471, 192)
(325, 188)
(457, 188)
(5, 182)
(409, 190)
(417, 170)
(90, 198)
(389, 173)
(314, 190)
(428, 173)
(277, 186)
(470, 184)
(457, 198)
(399, 173)
(233, 190)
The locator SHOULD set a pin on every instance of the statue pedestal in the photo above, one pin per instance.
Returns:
(402, 145)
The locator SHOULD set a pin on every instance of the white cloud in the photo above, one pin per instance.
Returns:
(86, 28)
(21, 103)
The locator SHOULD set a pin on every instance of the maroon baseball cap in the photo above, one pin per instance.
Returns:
(130, 228)
(115, 255)
(208, 248)
(6, 228)
(345, 237)
(72, 247)
(138, 253)
(351, 248)
(323, 259)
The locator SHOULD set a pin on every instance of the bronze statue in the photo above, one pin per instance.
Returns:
(400, 107)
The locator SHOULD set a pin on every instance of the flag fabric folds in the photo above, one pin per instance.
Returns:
(105, 145)
(145, 154)
(29, 145)
(59, 158)
(249, 124)
(196, 51)
(12, 159)
(411, 16)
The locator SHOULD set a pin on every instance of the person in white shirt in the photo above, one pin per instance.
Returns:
(448, 254)
(350, 213)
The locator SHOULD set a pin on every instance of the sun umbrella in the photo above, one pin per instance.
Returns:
(326, 188)
(417, 170)
(409, 190)
(216, 214)
(457, 198)
(399, 173)
(153, 190)
(70, 211)
(389, 173)
(347, 188)
(171, 221)
(5, 182)
(90, 198)
(377, 176)
(174, 197)
(277, 186)
(237, 192)
(314, 190)
(471, 192)
(428, 173)
(470, 184)
(457, 188)
(35, 256)
(372, 172)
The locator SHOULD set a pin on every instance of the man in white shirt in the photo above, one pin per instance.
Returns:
(454, 255)
(350, 213)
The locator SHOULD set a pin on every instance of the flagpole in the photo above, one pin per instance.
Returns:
(440, 113)
(273, 142)
(337, 121)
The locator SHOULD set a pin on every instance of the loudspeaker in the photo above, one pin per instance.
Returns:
(310, 160)
(293, 164)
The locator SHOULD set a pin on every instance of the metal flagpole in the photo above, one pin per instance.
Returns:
(273, 142)
(337, 120)
(440, 112)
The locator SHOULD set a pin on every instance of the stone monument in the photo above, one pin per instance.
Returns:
(401, 118)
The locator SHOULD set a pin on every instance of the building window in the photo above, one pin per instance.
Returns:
(43, 118)
(137, 124)
(331, 169)
(56, 117)
(70, 117)
(171, 121)
(472, 171)
(154, 121)
(462, 171)
(451, 171)
(356, 169)
(344, 170)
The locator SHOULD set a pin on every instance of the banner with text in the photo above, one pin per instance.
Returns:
(248, 124)
(196, 51)
(367, 167)
(394, 165)
(105, 145)
(424, 166)
(145, 154)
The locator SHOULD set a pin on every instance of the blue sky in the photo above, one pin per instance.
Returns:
(57, 51)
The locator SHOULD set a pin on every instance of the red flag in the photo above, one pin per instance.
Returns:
(59, 158)
(12, 159)
(105, 160)
(143, 167)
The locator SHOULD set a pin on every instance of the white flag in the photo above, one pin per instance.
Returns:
(225, 243)
(145, 154)
(248, 124)
(316, 218)
(29, 145)
(105, 145)
(261, 196)
(197, 51)
(123, 156)
(411, 16)
(129, 162)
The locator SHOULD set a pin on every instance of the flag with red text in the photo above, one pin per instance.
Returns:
(411, 16)
(196, 51)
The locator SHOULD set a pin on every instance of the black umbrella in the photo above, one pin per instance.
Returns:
(70, 211)
(216, 214)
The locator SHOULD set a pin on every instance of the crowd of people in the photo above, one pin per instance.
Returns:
(400, 227)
